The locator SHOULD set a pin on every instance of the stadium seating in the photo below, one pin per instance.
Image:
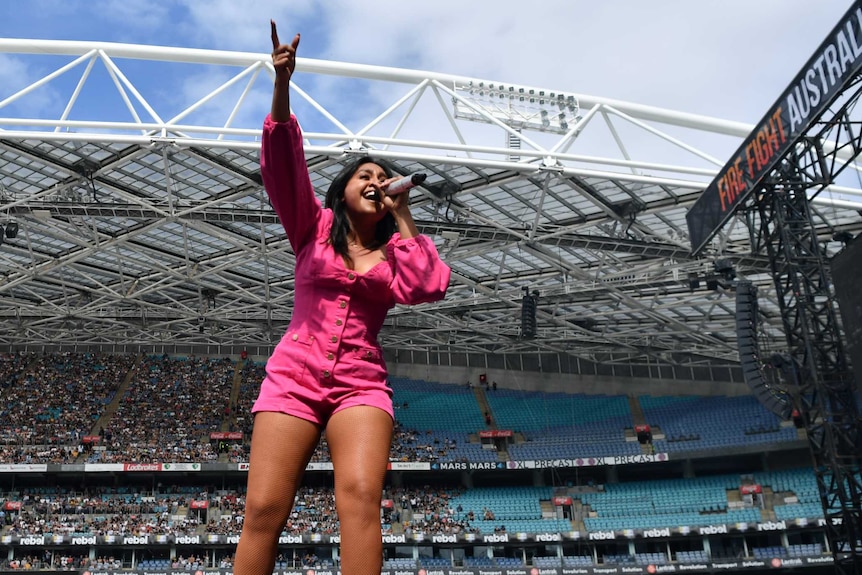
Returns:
(547, 425)
(420, 403)
(702, 423)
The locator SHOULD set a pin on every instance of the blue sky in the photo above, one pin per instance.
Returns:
(728, 58)
(724, 58)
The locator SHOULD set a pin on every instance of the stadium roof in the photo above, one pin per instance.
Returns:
(141, 219)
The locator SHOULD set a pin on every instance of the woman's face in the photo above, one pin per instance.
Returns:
(364, 191)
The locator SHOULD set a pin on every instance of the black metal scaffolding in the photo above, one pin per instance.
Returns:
(824, 388)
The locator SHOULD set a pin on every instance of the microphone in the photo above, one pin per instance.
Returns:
(404, 184)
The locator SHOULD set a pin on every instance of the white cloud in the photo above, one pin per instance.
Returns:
(132, 16)
(728, 58)
(15, 75)
(232, 25)
(725, 58)
(704, 57)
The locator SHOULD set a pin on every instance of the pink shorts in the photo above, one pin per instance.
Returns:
(303, 389)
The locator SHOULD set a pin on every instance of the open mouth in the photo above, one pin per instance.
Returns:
(372, 195)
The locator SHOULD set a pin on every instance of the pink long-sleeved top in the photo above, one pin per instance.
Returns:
(338, 312)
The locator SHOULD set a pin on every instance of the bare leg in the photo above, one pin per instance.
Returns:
(359, 439)
(281, 446)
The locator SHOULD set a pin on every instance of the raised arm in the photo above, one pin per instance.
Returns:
(282, 159)
(284, 62)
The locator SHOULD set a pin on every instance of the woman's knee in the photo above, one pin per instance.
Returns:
(266, 513)
(359, 495)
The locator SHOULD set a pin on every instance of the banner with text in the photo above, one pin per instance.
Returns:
(414, 538)
(832, 67)
(705, 567)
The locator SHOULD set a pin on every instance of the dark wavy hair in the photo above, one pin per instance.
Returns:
(340, 222)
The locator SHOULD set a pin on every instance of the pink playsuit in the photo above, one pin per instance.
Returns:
(329, 358)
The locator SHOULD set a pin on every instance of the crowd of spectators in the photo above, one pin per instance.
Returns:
(53, 404)
(27, 454)
(29, 524)
(104, 511)
(313, 512)
(181, 451)
(80, 408)
(428, 510)
(56, 561)
(163, 409)
(100, 501)
(98, 512)
(412, 445)
(55, 399)
(66, 562)
(173, 405)
(226, 519)
(252, 375)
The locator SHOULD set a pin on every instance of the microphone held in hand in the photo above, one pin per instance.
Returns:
(404, 184)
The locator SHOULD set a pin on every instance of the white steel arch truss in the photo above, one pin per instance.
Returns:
(131, 173)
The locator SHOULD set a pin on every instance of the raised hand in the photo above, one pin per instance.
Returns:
(284, 62)
(283, 55)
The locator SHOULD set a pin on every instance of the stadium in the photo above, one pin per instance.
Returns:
(618, 380)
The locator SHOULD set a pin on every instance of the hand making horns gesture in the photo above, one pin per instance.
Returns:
(283, 55)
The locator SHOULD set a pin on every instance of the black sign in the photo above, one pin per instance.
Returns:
(813, 90)
(717, 566)
(512, 537)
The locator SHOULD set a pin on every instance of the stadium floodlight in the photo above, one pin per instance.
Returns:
(516, 106)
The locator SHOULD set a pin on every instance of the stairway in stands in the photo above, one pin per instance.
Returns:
(482, 400)
(234, 394)
(112, 407)
(491, 422)
(638, 418)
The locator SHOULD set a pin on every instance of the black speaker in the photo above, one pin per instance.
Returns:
(845, 278)
(528, 315)
(771, 397)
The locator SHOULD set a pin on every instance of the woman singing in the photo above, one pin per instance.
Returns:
(356, 257)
